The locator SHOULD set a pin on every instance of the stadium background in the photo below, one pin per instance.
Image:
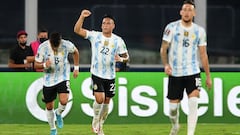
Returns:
(139, 22)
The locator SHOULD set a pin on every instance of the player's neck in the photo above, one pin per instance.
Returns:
(107, 34)
(55, 49)
(186, 23)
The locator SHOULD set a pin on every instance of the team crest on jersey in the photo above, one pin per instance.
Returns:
(55, 52)
(193, 36)
(166, 32)
(186, 33)
(106, 42)
(95, 87)
(62, 53)
(112, 45)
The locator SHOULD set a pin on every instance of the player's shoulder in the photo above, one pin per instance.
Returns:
(94, 32)
(115, 36)
(200, 28)
(45, 44)
(173, 24)
(66, 42)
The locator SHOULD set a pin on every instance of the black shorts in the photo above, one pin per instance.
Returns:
(103, 85)
(50, 93)
(177, 85)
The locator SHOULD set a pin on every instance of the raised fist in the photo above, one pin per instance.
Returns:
(85, 13)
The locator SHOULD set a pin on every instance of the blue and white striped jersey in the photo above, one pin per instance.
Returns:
(104, 50)
(60, 67)
(183, 50)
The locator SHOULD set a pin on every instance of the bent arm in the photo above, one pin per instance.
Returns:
(76, 63)
(76, 57)
(42, 65)
(122, 58)
(78, 29)
(38, 65)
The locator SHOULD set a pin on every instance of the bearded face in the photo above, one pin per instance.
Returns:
(187, 12)
(22, 40)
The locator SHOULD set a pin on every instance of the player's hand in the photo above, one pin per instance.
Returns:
(48, 63)
(209, 82)
(168, 69)
(75, 73)
(85, 13)
(117, 58)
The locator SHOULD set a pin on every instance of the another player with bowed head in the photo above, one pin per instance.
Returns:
(52, 56)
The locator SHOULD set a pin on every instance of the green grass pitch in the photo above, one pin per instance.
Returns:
(119, 129)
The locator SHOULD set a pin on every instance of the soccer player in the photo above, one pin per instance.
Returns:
(106, 48)
(52, 56)
(182, 41)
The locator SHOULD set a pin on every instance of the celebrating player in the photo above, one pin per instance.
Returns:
(106, 48)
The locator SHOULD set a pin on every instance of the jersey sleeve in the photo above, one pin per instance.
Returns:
(90, 35)
(39, 56)
(122, 46)
(168, 32)
(203, 37)
(87, 34)
(70, 47)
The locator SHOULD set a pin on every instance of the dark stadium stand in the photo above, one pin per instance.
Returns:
(139, 22)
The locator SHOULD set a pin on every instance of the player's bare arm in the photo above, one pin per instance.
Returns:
(205, 64)
(78, 29)
(76, 63)
(40, 65)
(123, 58)
(164, 57)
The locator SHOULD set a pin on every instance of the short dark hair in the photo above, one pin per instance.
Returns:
(42, 30)
(55, 39)
(189, 2)
(109, 16)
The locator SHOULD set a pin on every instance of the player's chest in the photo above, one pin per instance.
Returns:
(105, 46)
(56, 56)
(185, 34)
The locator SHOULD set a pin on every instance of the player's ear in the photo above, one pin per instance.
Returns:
(113, 25)
(194, 12)
(180, 12)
